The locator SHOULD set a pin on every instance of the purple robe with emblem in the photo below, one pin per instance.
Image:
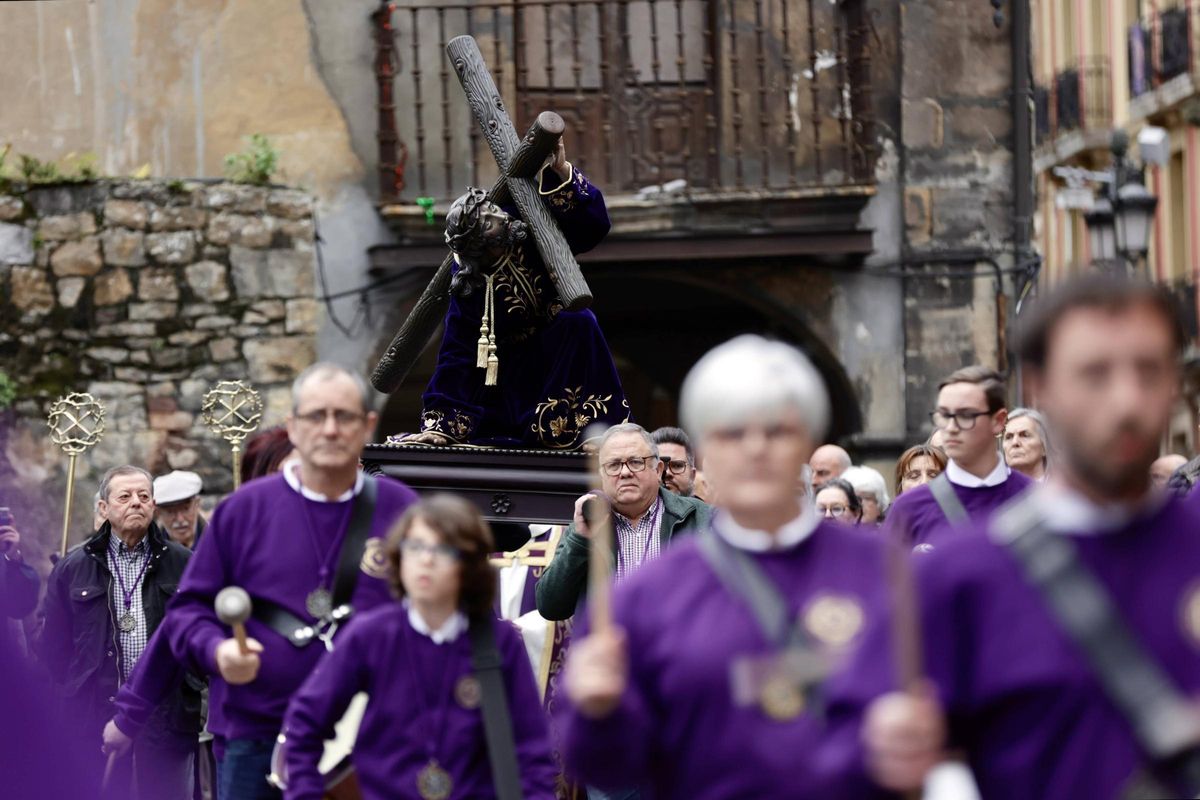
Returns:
(678, 732)
(261, 539)
(1020, 699)
(917, 519)
(556, 373)
(412, 708)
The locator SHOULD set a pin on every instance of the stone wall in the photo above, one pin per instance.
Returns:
(145, 294)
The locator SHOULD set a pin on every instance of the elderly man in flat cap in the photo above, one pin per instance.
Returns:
(177, 503)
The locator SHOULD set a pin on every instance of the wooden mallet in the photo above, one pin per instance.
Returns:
(233, 608)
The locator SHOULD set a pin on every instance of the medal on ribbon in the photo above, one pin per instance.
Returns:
(433, 782)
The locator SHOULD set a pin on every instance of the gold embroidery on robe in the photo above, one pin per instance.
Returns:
(560, 422)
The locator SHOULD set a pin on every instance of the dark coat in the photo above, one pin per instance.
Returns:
(561, 588)
(79, 643)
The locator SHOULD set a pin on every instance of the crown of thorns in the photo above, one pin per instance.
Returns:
(463, 234)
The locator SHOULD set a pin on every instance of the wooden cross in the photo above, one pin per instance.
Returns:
(520, 162)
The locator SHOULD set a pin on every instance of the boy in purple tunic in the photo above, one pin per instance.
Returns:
(422, 732)
(280, 538)
(970, 414)
(1012, 684)
(704, 689)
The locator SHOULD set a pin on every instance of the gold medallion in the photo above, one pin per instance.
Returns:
(1191, 615)
(468, 692)
(834, 619)
(781, 699)
(374, 562)
(433, 782)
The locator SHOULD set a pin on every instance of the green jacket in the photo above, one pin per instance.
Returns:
(562, 586)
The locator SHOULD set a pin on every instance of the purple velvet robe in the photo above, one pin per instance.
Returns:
(677, 732)
(556, 372)
(916, 518)
(1020, 699)
(373, 656)
(259, 539)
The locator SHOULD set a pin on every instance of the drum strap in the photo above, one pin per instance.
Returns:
(497, 724)
(1162, 720)
(947, 500)
(296, 630)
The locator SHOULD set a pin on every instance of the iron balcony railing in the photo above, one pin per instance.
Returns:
(705, 95)
(1082, 97)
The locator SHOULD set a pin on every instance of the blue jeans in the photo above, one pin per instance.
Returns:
(243, 768)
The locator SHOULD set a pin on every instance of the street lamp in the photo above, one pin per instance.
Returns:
(1134, 219)
(1101, 231)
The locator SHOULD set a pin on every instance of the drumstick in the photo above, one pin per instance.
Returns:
(233, 608)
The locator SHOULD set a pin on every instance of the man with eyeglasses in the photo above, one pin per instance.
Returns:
(307, 546)
(646, 517)
(679, 460)
(971, 412)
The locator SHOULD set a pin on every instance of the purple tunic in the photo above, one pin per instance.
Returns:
(260, 538)
(677, 732)
(556, 372)
(1020, 699)
(916, 518)
(410, 706)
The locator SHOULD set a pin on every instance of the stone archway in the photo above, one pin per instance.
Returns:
(656, 329)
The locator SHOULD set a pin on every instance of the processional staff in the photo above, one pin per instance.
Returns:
(597, 511)
(232, 410)
(76, 425)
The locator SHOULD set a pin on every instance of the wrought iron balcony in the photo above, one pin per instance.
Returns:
(1175, 42)
(1082, 97)
(757, 96)
(1041, 113)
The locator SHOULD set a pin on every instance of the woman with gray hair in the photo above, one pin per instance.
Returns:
(871, 489)
(1026, 443)
(693, 690)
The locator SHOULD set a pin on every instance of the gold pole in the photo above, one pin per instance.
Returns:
(76, 424)
(62, 551)
(232, 410)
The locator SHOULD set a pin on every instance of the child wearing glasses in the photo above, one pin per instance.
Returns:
(422, 734)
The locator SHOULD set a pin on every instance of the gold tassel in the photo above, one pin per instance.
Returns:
(487, 357)
(485, 330)
(493, 367)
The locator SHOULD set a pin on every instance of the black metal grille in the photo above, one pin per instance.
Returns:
(753, 94)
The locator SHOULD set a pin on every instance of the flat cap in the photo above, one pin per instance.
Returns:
(176, 486)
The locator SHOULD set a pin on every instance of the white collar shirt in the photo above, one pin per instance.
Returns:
(450, 630)
(960, 477)
(757, 541)
(291, 473)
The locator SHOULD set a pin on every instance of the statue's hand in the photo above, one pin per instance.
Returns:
(557, 161)
(432, 438)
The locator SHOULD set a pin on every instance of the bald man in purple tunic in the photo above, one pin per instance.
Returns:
(707, 686)
(970, 414)
(1044, 700)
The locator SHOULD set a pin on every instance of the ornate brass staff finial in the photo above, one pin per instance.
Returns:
(233, 410)
(76, 424)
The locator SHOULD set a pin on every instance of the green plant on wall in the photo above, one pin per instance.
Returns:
(256, 164)
(72, 168)
(8, 390)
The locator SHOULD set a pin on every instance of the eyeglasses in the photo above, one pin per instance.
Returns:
(965, 420)
(341, 417)
(676, 467)
(442, 553)
(635, 464)
(837, 512)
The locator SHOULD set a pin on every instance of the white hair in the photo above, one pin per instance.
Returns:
(865, 479)
(749, 378)
(1041, 426)
(622, 428)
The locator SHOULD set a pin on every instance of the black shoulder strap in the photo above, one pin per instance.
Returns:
(350, 557)
(497, 724)
(1162, 720)
(947, 500)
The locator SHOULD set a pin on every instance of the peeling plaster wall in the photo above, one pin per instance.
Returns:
(179, 85)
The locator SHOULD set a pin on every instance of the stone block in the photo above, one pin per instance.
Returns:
(177, 218)
(16, 244)
(157, 284)
(109, 355)
(299, 231)
(10, 208)
(279, 359)
(291, 273)
(289, 204)
(65, 198)
(188, 338)
(918, 214)
(77, 258)
(182, 457)
(67, 226)
(152, 311)
(30, 290)
(199, 309)
(112, 287)
(302, 315)
(125, 213)
(126, 329)
(168, 356)
(264, 311)
(240, 229)
(141, 357)
(224, 349)
(70, 290)
(215, 322)
(249, 271)
(178, 247)
(236, 197)
(124, 248)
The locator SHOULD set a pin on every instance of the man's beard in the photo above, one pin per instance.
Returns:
(1090, 467)
(514, 232)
